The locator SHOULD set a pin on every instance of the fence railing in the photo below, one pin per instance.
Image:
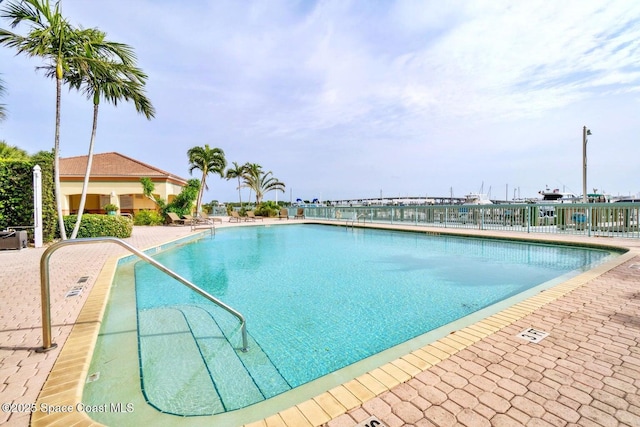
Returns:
(589, 219)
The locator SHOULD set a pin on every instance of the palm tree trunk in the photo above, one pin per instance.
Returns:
(56, 161)
(87, 173)
(239, 192)
(203, 181)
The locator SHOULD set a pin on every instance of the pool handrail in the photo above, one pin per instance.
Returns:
(46, 299)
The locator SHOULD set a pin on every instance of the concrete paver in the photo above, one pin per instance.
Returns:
(586, 372)
(574, 376)
(23, 371)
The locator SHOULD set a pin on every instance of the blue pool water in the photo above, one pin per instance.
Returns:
(317, 299)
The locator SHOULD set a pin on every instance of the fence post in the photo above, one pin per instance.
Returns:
(37, 206)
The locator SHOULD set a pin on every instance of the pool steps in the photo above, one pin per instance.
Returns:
(184, 348)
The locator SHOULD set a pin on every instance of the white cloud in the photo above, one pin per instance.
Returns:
(409, 88)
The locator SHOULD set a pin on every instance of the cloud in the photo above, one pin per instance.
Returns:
(344, 94)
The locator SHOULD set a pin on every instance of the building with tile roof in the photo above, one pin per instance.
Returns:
(114, 178)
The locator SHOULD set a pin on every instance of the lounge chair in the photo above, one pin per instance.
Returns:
(251, 216)
(208, 219)
(284, 213)
(300, 213)
(174, 219)
(235, 217)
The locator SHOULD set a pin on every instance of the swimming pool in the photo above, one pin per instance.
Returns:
(317, 299)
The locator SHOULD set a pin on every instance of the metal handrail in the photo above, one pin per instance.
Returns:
(46, 299)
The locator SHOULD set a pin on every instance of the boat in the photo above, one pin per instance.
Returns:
(626, 200)
(552, 197)
(557, 196)
(477, 199)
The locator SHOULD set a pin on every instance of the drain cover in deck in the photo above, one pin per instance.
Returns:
(371, 422)
(533, 335)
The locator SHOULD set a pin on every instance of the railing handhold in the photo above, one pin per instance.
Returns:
(46, 299)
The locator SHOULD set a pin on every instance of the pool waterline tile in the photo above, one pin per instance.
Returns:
(292, 416)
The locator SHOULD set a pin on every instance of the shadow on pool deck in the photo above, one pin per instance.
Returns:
(586, 372)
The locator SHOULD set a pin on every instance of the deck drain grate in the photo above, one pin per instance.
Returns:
(74, 292)
(533, 335)
(371, 422)
(635, 266)
(83, 279)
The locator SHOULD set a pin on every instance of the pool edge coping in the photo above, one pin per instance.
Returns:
(65, 383)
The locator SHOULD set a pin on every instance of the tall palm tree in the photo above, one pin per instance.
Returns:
(208, 160)
(251, 173)
(262, 183)
(3, 113)
(50, 37)
(114, 78)
(236, 172)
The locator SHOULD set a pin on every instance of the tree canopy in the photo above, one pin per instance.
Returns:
(261, 182)
(207, 160)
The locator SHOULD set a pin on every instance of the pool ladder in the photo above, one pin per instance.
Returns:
(46, 299)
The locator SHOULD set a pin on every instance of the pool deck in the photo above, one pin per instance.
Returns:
(586, 372)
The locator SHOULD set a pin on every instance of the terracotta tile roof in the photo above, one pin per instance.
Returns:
(114, 165)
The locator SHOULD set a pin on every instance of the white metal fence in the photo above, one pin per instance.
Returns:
(589, 219)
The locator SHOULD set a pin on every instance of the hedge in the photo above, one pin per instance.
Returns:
(16, 194)
(94, 225)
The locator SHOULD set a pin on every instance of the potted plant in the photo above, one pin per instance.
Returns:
(111, 209)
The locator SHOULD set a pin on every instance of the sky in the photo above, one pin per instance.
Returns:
(356, 99)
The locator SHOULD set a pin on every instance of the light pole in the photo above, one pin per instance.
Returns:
(585, 132)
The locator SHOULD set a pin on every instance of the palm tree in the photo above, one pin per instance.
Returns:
(3, 113)
(251, 173)
(261, 182)
(236, 172)
(208, 160)
(113, 77)
(50, 37)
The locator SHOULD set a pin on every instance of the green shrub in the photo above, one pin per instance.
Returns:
(268, 209)
(16, 194)
(110, 207)
(100, 225)
(183, 203)
(148, 218)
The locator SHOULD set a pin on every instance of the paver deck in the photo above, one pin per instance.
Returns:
(586, 372)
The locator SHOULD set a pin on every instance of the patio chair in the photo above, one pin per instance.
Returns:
(300, 214)
(235, 217)
(284, 213)
(174, 219)
(189, 219)
(208, 219)
(251, 216)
